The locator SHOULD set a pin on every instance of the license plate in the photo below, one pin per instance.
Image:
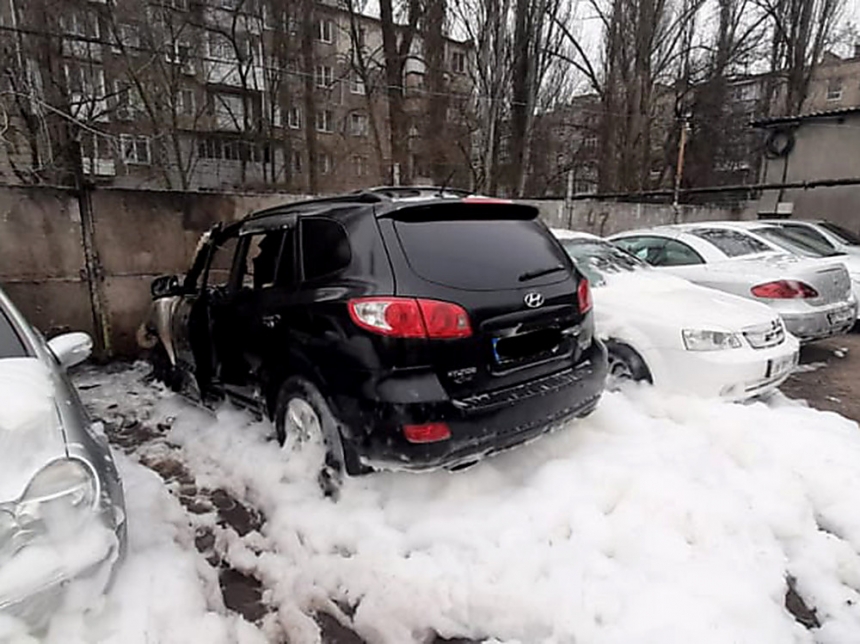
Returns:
(781, 366)
(841, 316)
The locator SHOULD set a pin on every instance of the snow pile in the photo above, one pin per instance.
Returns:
(658, 519)
(164, 592)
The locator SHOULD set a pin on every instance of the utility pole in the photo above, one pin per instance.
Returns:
(679, 166)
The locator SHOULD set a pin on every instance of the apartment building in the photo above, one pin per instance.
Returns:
(219, 95)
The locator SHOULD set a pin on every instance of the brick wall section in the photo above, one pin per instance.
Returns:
(141, 234)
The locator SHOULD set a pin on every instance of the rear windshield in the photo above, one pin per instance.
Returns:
(483, 254)
(597, 259)
(732, 243)
(848, 238)
(10, 344)
(797, 244)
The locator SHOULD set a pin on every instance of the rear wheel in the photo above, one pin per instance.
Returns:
(308, 433)
(624, 365)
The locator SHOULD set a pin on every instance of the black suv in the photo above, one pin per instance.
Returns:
(397, 327)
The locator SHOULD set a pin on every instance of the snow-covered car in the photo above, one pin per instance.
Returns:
(681, 337)
(62, 513)
(813, 296)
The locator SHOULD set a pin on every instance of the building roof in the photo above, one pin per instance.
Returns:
(800, 118)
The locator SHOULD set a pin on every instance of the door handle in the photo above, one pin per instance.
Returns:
(271, 321)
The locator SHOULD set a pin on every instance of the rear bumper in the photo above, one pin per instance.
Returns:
(481, 425)
(821, 323)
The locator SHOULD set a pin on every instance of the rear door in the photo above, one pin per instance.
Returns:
(508, 272)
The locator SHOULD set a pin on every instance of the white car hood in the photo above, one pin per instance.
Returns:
(30, 432)
(674, 301)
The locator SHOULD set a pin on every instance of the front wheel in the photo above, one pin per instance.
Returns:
(308, 434)
(624, 365)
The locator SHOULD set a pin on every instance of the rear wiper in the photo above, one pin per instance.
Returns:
(530, 275)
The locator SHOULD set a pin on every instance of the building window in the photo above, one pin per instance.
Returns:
(590, 143)
(325, 31)
(834, 89)
(324, 76)
(297, 161)
(185, 103)
(128, 37)
(356, 84)
(220, 47)
(277, 117)
(229, 112)
(358, 124)
(294, 118)
(128, 100)
(324, 162)
(135, 149)
(458, 62)
(359, 163)
(325, 121)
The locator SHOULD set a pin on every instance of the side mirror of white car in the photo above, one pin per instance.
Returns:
(71, 348)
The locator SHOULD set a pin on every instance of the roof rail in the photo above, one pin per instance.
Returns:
(407, 192)
(353, 197)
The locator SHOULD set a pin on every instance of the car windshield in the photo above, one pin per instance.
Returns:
(845, 236)
(794, 243)
(732, 243)
(10, 343)
(597, 259)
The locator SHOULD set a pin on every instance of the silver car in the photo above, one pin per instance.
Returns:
(62, 513)
(813, 296)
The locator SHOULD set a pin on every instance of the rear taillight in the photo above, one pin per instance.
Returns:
(783, 290)
(583, 296)
(427, 433)
(402, 317)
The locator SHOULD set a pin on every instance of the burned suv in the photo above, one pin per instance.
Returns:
(397, 328)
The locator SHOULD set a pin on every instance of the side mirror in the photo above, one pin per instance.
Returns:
(165, 286)
(71, 348)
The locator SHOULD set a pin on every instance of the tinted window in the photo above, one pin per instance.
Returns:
(676, 253)
(845, 235)
(732, 243)
(325, 247)
(797, 243)
(483, 254)
(10, 344)
(803, 232)
(598, 259)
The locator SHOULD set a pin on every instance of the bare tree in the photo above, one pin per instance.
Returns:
(801, 31)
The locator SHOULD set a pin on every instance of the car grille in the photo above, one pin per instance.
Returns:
(833, 285)
(503, 397)
(763, 336)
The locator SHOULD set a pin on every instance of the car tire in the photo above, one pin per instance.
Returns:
(625, 365)
(303, 418)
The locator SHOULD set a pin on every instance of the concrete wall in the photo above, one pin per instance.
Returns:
(824, 149)
(141, 234)
(138, 234)
(610, 217)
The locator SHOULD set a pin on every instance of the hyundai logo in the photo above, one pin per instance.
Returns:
(533, 299)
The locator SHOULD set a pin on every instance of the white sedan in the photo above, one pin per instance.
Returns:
(681, 337)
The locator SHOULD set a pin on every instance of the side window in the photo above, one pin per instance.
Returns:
(325, 247)
(677, 253)
(648, 249)
(261, 260)
(222, 262)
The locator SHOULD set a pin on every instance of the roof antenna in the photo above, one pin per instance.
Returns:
(446, 182)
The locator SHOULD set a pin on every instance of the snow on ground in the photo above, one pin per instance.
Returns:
(164, 592)
(656, 520)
